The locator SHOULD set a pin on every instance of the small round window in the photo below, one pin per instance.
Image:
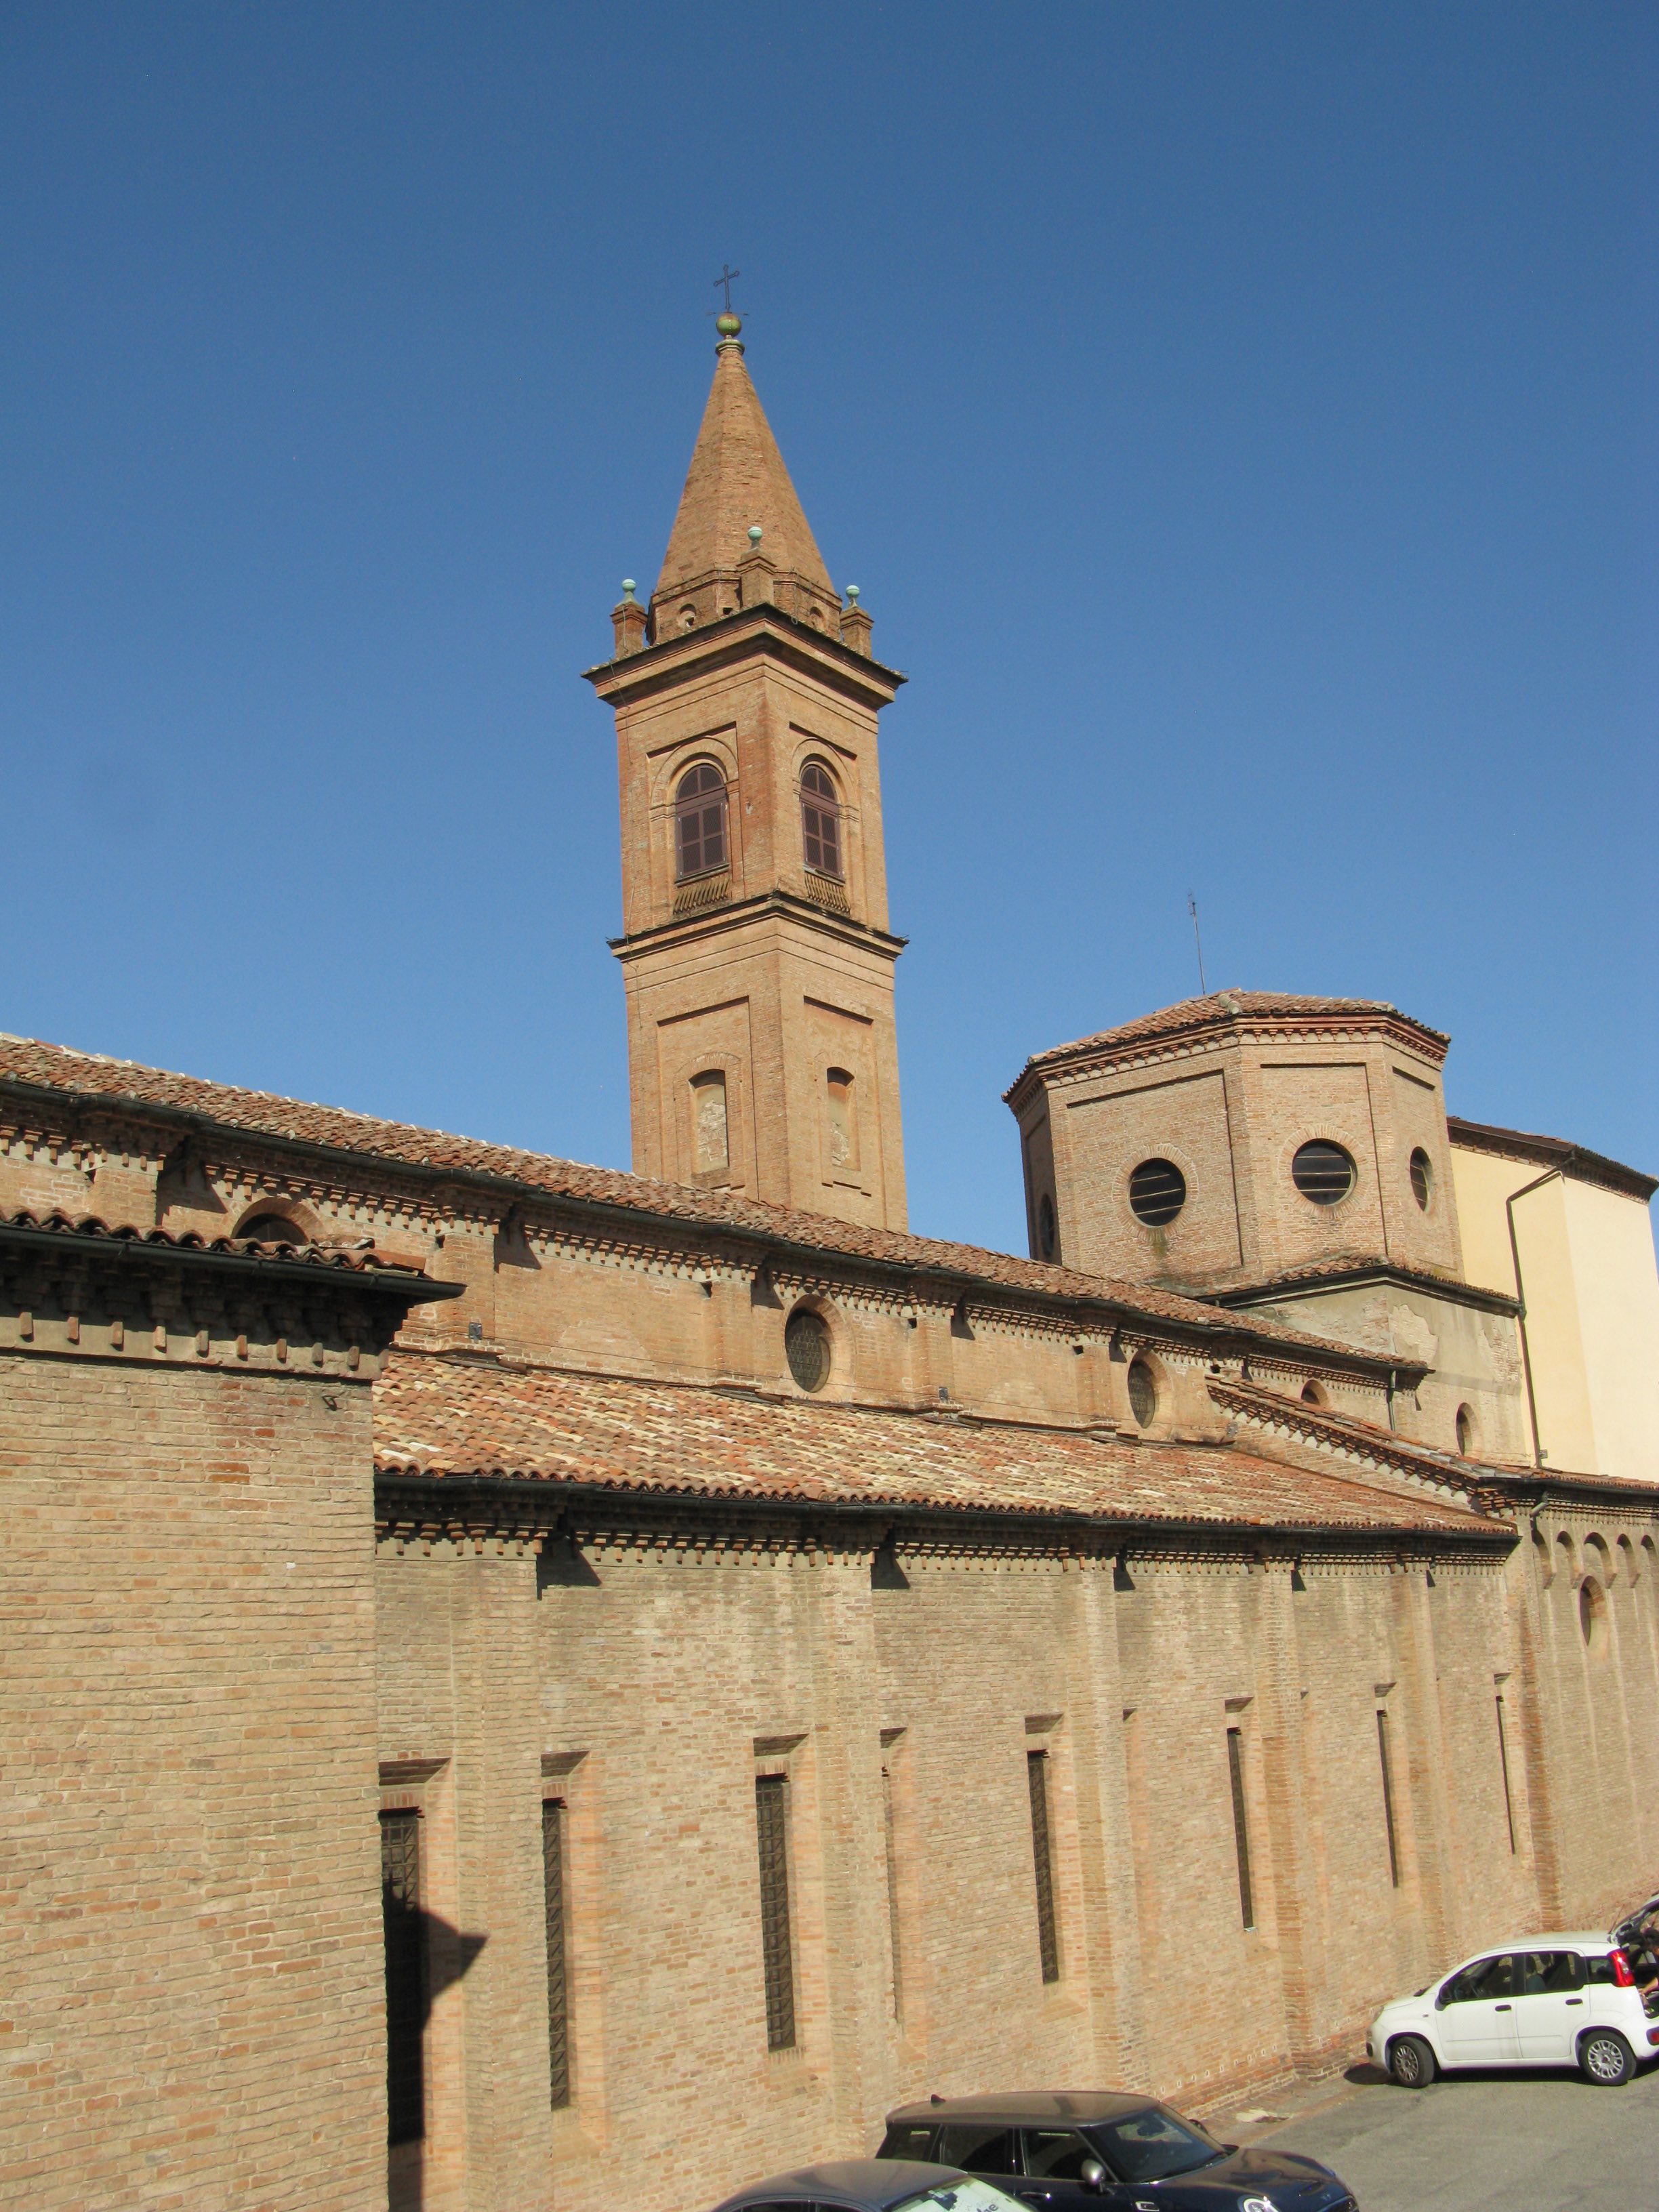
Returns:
(1422, 1178)
(1048, 1241)
(807, 1345)
(1465, 1431)
(1158, 1191)
(1323, 1171)
(1143, 1392)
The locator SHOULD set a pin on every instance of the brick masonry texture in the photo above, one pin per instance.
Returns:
(189, 1940)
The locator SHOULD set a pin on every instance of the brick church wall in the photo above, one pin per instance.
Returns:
(190, 1924)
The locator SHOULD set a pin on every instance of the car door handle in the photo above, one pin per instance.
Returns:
(1575, 2000)
(1503, 2008)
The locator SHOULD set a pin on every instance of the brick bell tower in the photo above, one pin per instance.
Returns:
(763, 1057)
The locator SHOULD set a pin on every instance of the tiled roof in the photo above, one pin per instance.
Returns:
(1357, 1263)
(361, 1259)
(258, 1113)
(1223, 1006)
(437, 1415)
(1551, 1153)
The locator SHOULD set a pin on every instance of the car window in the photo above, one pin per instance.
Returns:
(960, 2196)
(1485, 1978)
(1057, 2154)
(1149, 2145)
(1548, 1974)
(1600, 1969)
(907, 2143)
(979, 2150)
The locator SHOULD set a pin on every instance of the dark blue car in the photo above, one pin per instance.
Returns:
(1090, 2151)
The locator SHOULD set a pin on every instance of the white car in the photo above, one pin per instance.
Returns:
(1549, 2001)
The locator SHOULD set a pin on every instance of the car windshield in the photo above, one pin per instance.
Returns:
(1149, 2145)
(963, 2196)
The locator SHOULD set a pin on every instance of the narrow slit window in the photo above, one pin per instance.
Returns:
(772, 1831)
(711, 1132)
(843, 1120)
(1504, 1766)
(1036, 1777)
(405, 1975)
(558, 1969)
(1241, 1824)
(1387, 1795)
(892, 1888)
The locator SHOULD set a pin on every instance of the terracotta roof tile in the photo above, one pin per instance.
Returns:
(357, 1258)
(1220, 1007)
(58, 1067)
(437, 1415)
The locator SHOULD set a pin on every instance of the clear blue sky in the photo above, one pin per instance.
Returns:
(1239, 419)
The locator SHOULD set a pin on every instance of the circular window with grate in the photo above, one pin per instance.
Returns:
(1158, 1191)
(1143, 1392)
(807, 1345)
(1323, 1171)
(1422, 1178)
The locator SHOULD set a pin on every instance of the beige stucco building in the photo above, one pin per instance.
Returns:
(531, 1688)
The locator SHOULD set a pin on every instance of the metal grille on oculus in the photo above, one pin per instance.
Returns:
(772, 1832)
(405, 1975)
(807, 1345)
(1158, 1191)
(1323, 1171)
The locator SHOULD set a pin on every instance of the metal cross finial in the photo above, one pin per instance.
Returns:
(724, 283)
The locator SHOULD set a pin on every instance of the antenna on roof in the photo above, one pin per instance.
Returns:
(1192, 908)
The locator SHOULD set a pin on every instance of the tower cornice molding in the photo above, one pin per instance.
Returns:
(775, 904)
(750, 634)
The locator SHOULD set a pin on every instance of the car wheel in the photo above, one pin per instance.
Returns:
(1604, 2057)
(1411, 2062)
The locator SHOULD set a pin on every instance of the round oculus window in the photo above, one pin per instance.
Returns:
(1323, 1171)
(1143, 1392)
(1158, 1191)
(1422, 1177)
(807, 1346)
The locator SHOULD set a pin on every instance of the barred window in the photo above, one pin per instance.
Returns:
(1036, 1779)
(558, 1984)
(772, 1833)
(1387, 1795)
(405, 1975)
(890, 1829)
(700, 822)
(820, 820)
(1504, 1768)
(1241, 1824)
(1323, 1171)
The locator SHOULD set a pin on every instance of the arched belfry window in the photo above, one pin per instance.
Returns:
(820, 820)
(700, 822)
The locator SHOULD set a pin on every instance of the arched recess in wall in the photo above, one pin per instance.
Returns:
(278, 1221)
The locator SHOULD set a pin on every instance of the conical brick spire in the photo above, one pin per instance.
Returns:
(740, 535)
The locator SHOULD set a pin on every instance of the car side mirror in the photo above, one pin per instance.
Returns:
(1092, 2173)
